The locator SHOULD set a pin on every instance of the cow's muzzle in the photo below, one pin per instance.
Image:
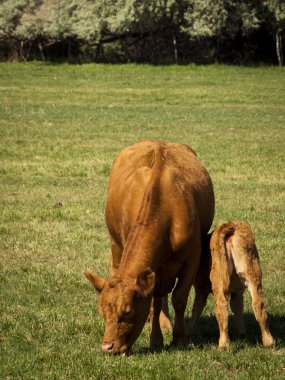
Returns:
(107, 347)
(112, 349)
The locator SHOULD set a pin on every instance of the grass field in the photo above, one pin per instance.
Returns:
(60, 127)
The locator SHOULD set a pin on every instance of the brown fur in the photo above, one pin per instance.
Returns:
(229, 264)
(160, 201)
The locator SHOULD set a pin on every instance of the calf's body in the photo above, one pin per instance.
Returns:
(229, 264)
(160, 202)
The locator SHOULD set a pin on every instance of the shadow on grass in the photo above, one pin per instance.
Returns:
(207, 333)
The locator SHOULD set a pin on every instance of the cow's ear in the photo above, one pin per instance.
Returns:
(145, 283)
(97, 281)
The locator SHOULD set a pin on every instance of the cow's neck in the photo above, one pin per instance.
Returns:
(144, 249)
(146, 238)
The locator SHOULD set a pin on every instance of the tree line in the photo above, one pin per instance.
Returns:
(150, 31)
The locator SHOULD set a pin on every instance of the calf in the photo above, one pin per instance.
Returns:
(160, 202)
(229, 264)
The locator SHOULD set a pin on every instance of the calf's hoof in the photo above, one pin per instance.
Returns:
(223, 348)
(224, 345)
(268, 342)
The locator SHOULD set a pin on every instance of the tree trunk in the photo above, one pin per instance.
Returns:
(68, 50)
(41, 51)
(279, 50)
(175, 49)
(22, 56)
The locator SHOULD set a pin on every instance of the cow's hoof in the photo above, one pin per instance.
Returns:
(179, 342)
(240, 336)
(156, 347)
(156, 343)
(190, 327)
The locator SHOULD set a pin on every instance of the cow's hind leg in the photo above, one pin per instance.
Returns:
(260, 312)
(156, 337)
(236, 303)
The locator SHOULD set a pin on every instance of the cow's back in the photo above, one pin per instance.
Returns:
(184, 185)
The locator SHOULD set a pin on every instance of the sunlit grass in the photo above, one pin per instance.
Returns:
(60, 128)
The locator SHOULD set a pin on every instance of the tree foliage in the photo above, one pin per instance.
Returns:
(142, 30)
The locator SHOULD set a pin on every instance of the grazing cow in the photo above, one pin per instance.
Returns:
(229, 264)
(160, 202)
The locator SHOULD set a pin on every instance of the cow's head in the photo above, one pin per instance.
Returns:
(124, 304)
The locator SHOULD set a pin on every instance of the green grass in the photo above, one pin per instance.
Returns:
(60, 128)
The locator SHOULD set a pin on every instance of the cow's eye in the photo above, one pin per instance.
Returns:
(125, 316)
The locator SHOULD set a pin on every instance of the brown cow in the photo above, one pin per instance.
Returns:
(229, 264)
(160, 201)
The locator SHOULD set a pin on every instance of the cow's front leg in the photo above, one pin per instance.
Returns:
(200, 301)
(179, 301)
(156, 337)
(164, 317)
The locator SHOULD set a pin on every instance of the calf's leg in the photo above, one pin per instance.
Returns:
(260, 312)
(222, 315)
